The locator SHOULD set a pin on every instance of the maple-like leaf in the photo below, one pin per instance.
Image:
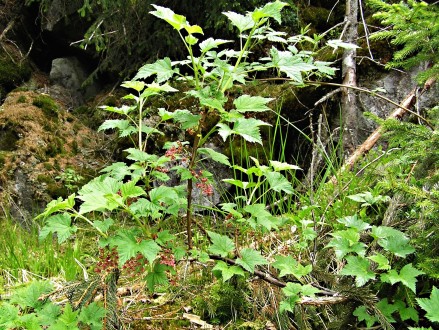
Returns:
(227, 271)
(406, 276)
(362, 314)
(61, 224)
(157, 276)
(221, 245)
(387, 309)
(431, 305)
(358, 267)
(92, 315)
(289, 266)
(250, 259)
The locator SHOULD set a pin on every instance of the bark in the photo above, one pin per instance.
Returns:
(349, 99)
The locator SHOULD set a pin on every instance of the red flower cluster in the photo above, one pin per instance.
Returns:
(167, 259)
(108, 260)
(174, 150)
(135, 265)
(162, 169)
(202, 183)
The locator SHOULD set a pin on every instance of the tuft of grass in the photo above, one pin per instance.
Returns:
(21, 250)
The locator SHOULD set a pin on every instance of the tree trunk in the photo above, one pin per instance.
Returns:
(349, 99)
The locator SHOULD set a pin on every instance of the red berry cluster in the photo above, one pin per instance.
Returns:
(108, 260)
(174, 150)
(202, 183)
(162, 169)
(135, 265)
(167, 258)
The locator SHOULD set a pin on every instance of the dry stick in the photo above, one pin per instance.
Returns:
(8, 27)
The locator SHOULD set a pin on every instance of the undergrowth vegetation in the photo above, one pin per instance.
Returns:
(332, 254)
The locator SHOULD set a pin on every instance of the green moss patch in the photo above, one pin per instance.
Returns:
(48, 105)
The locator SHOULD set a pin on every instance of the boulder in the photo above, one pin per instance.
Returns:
(69, 75)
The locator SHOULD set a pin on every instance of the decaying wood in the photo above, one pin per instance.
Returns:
(373, 138)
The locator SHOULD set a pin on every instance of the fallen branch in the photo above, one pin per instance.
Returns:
(331, 297)
(6, 30)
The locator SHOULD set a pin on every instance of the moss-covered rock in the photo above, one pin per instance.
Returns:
(48, 105)
(13, 72)
(35, 151)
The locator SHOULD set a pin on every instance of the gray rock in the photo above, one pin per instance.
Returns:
(397, 85)
(69, 75)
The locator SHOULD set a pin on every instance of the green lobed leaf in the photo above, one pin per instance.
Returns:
(359, 268)
(140, 156)
(130, 190)
(149, 249)
(29, 322)
(215, 155)
(345, 242)
(292, 289)
(117, 170)
(186, 119)
(178, 22)
(250, 259)
(288, 304)
(157, 276)
(431, 305)
(191, 29)
(308, 290)
(92, 315)
(392, 240)
(47, 315)
(227, 271)
(381, 260)
(28, 296)
(123, 110)
(271, 9)
(162, 68)
(406, 313)
(191, 40)
(279, 183)
(100, 194)
(103, 225)
(69, 318)
(248, 128)
(61, 224)
(280, 166)
(136, 85)
(289, 266)
(8, 316)
(211, 43)
(387, 309)
(362, 314)
(354, 222)
(406, 276)
(261, 215)
(242, 22)
(57, 205)
(221, 245)
(163, 237)
(224, 131)
(247, 103)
